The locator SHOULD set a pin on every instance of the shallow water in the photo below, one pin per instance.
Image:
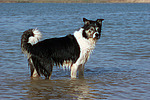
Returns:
(119, 67)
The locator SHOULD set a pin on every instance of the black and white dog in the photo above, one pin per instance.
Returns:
(71, 51)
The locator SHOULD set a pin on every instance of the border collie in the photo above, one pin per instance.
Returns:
(71, 51)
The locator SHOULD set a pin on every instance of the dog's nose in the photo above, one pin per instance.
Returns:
(96, 35)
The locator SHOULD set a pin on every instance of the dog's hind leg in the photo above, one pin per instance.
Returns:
(40, 66)
(32, 68)
(46, 68)
(51, 68)
(48, 72)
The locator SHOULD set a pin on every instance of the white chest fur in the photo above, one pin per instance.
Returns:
(86, 47)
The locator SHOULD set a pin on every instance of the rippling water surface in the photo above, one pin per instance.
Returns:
(119, 67)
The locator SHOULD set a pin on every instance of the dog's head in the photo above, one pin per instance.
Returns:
(92, 29)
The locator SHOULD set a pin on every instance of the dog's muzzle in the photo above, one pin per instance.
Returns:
(96, 35)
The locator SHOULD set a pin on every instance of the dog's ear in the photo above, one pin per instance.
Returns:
(99, 20)
(86, 21)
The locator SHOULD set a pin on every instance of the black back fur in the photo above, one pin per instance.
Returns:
(47, 53)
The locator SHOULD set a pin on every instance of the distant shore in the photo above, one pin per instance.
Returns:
(74, 1)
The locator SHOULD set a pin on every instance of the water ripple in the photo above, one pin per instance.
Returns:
(117, 69)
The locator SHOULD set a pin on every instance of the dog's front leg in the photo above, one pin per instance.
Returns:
(74, 69)
(81, 71)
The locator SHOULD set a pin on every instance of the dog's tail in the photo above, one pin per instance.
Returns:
(29, 38)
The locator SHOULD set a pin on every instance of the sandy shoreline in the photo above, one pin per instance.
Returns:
(74, 1)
